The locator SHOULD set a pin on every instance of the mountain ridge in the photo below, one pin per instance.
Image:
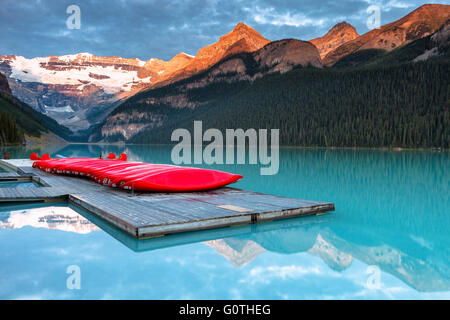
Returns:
(417, 24)
(284, 93)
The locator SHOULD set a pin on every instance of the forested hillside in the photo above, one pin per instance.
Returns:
(397, 106)
(18, 119)
(9, 133)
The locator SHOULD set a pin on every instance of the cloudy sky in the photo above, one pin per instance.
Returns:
(162, 28)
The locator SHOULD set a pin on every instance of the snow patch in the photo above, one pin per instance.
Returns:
(59, 109)
(70, 120)
(30, 70)
(71, 57)
(190, 56)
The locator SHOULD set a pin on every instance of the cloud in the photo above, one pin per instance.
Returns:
(267, 274)
(387, 5)
(271, 16)
(147, 29)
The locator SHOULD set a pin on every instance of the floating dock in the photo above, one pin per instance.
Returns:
(144, 215)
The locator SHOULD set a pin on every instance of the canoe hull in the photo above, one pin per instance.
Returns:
(140, 176)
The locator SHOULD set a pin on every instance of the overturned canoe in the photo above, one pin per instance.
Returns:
(182, 179)
(139, 176)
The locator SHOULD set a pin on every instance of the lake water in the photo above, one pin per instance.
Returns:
(388, 238)
(18, 184)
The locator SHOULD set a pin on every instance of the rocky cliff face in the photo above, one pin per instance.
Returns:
(281, 56)
(418, 24)
(337, 36)
(4, 87)
(125, 125)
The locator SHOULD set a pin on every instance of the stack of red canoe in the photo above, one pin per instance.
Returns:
(139, 176)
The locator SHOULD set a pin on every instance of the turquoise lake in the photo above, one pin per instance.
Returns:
(389, 237)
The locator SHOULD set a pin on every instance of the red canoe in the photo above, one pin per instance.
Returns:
(119, 179)
(105, 172)
(112, 173)
(139, 176)
(182, 179)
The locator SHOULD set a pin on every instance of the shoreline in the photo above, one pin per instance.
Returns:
(281, 146)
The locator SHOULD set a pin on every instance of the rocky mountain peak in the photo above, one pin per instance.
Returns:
(342, 26)
(219, 50)
(241, 26)
(181, 57)
(335, 37)
(242, 30)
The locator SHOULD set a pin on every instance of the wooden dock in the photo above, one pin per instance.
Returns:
(144, 215)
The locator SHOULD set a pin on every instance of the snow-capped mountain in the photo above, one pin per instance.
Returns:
(78, 90)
